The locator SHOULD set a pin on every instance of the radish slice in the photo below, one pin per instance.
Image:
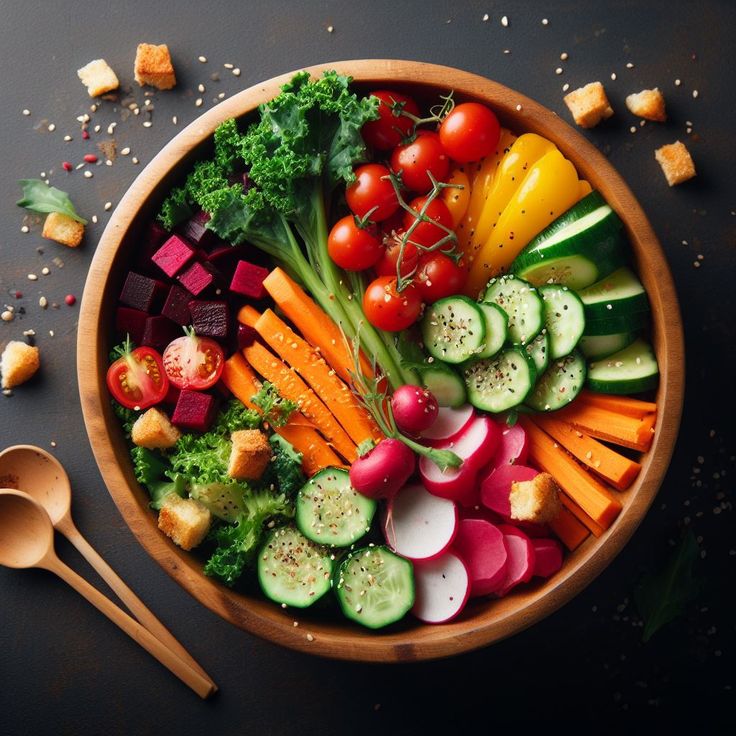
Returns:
(514, 447)
(419, 525)
(496, 486)
(449, 423)
(521, 554)
(482, 547)
(547, 557)
(442, 587)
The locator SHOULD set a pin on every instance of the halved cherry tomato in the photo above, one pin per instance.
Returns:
(352, 247)
(391, 127)
(194, 362)
(372, 189)
(470, 132)
(427, 233)
(388, 309)
(386, 265)
(137, 379)
(439, 276)
(413, 160)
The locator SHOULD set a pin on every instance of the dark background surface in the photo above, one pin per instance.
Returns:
(65, 670)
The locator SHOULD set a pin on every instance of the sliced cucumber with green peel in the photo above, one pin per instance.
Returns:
(293, 570)
(375, 587)
(330, 511)
(520, 301)
(500, 383)
(453, 329)
(560, 384)
(564, 318)
(629, 371)
(538, 351)
(444, 384)
(614, 325)
(601, 346)
(497, 329)
(617, 295)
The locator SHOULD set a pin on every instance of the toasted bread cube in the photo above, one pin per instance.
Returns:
(18, 363)
(250, 454)
(185, 520)
(676, 163)
(535, 500)
(98, 78)
(589, 105)
(63, 229)
(153, 66)
(648, 104)
(154, 430)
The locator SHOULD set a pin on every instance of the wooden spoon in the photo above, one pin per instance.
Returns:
(39, 474)
(27, 540)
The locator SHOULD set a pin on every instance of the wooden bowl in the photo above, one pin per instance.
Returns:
(483, 621)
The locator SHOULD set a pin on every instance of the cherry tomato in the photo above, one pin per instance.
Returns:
(391, 127)
(352, 247)
(413, 160)
(386, 265)
(439, 276)
(370, 190)
(393, 223)
(194, 362)
(426, 233)
(470, 132)
(137, 379)
(390, 310)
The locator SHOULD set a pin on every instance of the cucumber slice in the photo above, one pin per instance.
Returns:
(601, 346)
(453, 329)
(629, 371)
(538, 351)
(292, 570)
(617, 295)
(564, 318)
(497, 322)
(614, 325)
(560, 383)
(375, 587)
(520, 301)
(330, 511)
(444, 384)
(500, 383)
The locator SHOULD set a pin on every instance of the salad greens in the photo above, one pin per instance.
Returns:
(276, 409)
(38, 196)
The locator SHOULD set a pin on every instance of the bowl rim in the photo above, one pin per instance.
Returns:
(502, 618)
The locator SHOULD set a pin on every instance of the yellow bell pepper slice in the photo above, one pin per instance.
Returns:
(549, 188)
(457, 197)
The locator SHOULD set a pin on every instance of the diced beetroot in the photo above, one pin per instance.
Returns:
(151, 242)
(225, 257)
(482, 548)
(195, 230)
(176, 306)
(210, 319)
(547, 557)
(246, 336)
(131, 322)
(173, 255)
(194, 410)
(521, 558)
(197, 278)
(159, 332)
(248, 280)
(172, 395)
(496, 486)
(143, 293)
(155, 235)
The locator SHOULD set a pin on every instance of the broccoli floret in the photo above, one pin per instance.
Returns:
(286, 466)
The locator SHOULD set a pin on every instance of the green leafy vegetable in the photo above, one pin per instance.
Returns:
(203, 458)
(237, 416)
(276, 409)
(175, 209)
(154, 472)
(125, 416)
(225, 500)
(38, 196)
(286, 466)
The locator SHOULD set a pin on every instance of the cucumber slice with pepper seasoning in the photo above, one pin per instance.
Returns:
(560, 383)
(444, 384)
(497, 322)
(453, 329)
(564, 318)
(500, 383)
(595, 347)
(538, 351)
(520, 301)
(617, 295)
(629, 371)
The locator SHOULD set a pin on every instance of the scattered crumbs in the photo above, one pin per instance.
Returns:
(26, 112)
(29, 333)
(565, 87)
(7, 316)
(695, 93)
(198, 102)
(486, 17)
(330, 29)
(147, 123)
(613, 76)
(45, 270)
(202, 59)
(43, 302)
(629, 65)
(174, 119)
(125, 151)
(505, 21)
(108, 162)
(564, 56)
(642, 123)
(108, 206)
(88, 174)
(94, 219)
(32, 277)
(25, 229)
(558, 70)
(545, 22)
(51, 333)
(632, 129)
(53, 443)
(696, 264)
(236, 71)
(310, 637)
(678, 82)
(58, 262)
(135, 160)
(7, 392)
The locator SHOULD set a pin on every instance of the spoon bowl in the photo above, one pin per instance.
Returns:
(26, 532)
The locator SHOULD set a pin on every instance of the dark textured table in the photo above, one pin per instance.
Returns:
(66, 670)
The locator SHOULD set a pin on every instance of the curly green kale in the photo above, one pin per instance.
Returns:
(276, 409)
(125, 416)
(237, 416)
(153, 471)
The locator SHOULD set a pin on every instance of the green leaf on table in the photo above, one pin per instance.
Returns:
(663, 596)
(38, 196)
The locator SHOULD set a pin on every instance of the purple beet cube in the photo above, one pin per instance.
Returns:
(197, 278)
(194, 410)
(173, 255)
(176, 306)
(225, 257)
(246, 336)
(210, 319)
(131, 322)
(248, 280)
(159, 332)
(195, 230)
(144, 293)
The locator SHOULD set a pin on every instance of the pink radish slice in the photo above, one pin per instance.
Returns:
(457, 484)
(496, 486)
(532, 530)
(514, 447)
(448, 424)
(521, 558)
(547, 557)
(442, 588)
(419, 525)
(482, 547)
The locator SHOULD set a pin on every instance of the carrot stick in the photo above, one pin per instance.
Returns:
(569, 530)
(592, 497)
(581, 516)
(291, 387)
(617, 469)
(248, 315)
(621, 404)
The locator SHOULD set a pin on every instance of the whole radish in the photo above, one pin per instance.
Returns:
(384, 470)
(415, 409)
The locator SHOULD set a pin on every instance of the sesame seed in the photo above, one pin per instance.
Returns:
(200, 87)
(229, 66)
(678, 82)
(518, 108)
(696, 264)
(108, 162)
(236, 71)
(25, 229)
(52, 443)
(629, 65)
(43, 302)
(558, 70)
(97, 128)
(135, 160)
(111, 128)
(45, 270)
(632, 129)
(26, 112)
(505, 21)
(310, 637)
(94, 219)
(88, 174)
(507, 51)
(564, 56)
(125, 151)
(330, 29)
(202, 59)
(545, 22)
(51, 333)
(147, 123)
(67, 138)
(7, 316)
(613, 76)
(174, 120)
(32, 277)
(108, 206)
(52, 127)
(221, 96)
(486, 17)
(198, 102)
(565, 87)
(695, 93)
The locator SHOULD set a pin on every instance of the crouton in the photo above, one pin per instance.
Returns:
(153, 66)
(18, 363)
(648, 104)
(535, 500)
(184, 520)
(676, 163)
(250, 454)
(154, 430)
(98, 78)
(63, 229)
(589, 105)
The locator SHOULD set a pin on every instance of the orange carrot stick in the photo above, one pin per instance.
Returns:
(581, 516)
(621, 404)
(569, 530)
(248, 315)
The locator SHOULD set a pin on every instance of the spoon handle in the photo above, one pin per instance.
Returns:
(201, 685)
(135, 605)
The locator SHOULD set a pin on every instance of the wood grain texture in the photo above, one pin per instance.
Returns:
(482, 622)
